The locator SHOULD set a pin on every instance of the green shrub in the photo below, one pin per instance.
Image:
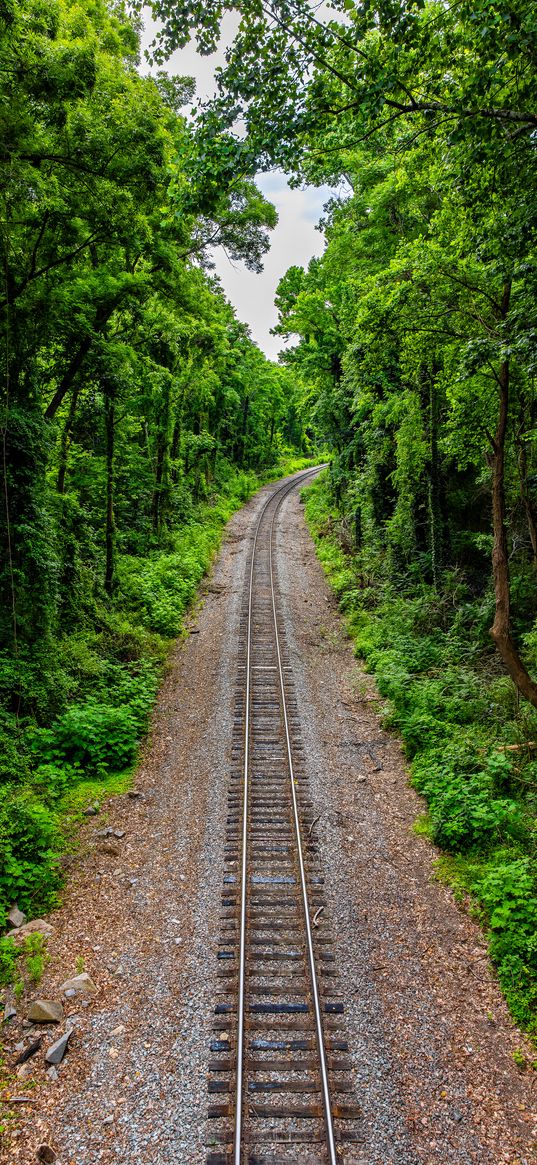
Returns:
(93, 736)
(508, 892)
(8, 961)
(29, 844)
(466, 816)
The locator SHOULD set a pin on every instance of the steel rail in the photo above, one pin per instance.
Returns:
(332, 1153)
(237, 1150)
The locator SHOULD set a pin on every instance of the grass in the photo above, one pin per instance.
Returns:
(464, 732)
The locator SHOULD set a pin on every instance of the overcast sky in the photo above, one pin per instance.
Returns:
(294, 240)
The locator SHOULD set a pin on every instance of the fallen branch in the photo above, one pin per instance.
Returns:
(531, 744)
(314, 822)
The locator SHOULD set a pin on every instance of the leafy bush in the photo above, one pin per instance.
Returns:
(92, 736)
(508, 892)
(8, 961)
(465, 815)
(29, 844)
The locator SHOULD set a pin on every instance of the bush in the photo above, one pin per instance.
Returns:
(8, 961)
(92, 736)
(466, 816)
(29, 844)
(508, 892)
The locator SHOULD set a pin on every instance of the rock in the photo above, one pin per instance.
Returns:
(29, 1051)
(92, 810)
(106, 832)
(53, 1074)
(57, 1050)
(46, 1155)
(37, 924)
(9, 1012)
(108, 1120)
(82, 983)
(70, 993)
(45, 1011)
(119, 833)
(16, 917)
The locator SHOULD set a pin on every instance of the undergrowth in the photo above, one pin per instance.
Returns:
(74, 709)
(470, 744)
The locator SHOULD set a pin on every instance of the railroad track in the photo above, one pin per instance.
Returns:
(280, 1079)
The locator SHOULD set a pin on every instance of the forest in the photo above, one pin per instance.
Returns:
(138, 412)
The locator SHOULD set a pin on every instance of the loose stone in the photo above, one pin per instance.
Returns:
(57, 1050)
(16, 917)
(45, 1011)
(82, 983)
(29, 1051)
(36, 925)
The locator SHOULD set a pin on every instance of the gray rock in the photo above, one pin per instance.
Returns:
(9, 1012)
(70, 993)
(119, 833)
(45, 1011)
(56, 1052)
(82, 983)
(92, 810)
(52, 1074)
(16, 917)
(106, 832)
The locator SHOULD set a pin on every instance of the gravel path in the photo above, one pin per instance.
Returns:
(428, 1028)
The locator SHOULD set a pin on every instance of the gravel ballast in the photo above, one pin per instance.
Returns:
(428, 1029)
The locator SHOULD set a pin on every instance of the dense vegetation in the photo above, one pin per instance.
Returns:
(134, 399)
(137, 413)
(417, 340)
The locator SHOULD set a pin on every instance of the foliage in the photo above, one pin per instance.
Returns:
(29, 844)
(8, 961)
(455, 716)
(136, 412)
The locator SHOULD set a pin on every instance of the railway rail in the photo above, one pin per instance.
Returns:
(280, 1078)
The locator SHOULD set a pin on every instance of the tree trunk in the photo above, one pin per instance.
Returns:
(110, 535)
(501, 630)
(65, 441)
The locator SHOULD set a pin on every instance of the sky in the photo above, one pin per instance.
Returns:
(293, 242)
